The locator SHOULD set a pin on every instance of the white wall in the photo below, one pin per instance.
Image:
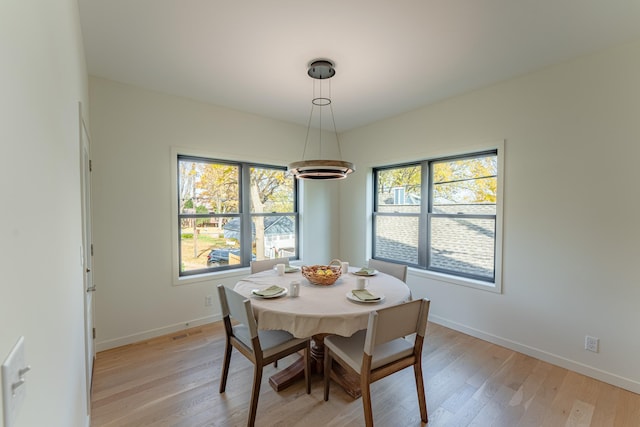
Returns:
(134, 132)
(571, 209)
(42, 79)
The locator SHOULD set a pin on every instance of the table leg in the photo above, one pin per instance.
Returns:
(283, 379)
(317, 353)
(294, 372)
(349, 382)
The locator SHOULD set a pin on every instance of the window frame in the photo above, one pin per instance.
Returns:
(244, 214)
(426, 214)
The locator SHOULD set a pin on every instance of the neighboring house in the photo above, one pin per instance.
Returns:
(279, 234)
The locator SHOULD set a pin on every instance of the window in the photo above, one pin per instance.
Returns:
(439, 215)
(230, 213)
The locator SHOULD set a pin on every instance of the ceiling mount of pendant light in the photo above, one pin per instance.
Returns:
(321, 69)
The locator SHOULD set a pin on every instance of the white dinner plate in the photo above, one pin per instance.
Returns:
(353, 298)
(366, 273)
(279, 294)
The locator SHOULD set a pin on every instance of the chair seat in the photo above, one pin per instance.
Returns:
(271, 342)
(351, 350)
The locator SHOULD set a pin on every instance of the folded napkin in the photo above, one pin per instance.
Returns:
(270, 291)
(364, 295)
(365, 270)
(289, 269)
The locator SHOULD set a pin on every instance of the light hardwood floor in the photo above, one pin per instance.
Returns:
(173, 381)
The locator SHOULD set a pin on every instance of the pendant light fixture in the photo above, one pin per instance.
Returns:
(320, 70)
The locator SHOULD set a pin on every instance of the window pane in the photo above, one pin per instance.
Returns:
(462, 169)
(208, 242)
(272, 190)
(274, 237)
(397, 238)
(399, 189)
(465, 245)
(465, 186)
(208, 187)
(475, 196)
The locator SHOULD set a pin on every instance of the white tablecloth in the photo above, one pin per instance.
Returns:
(319, 309)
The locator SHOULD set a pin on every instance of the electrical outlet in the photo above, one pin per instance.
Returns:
(591, 343)
(208, 301)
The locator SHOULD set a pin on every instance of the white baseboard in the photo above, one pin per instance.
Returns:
(153, 333)
(554, 359)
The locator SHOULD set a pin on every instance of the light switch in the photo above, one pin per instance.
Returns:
(14, 370)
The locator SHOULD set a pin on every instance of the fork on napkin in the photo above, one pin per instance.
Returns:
(364, 295)
(270, 291)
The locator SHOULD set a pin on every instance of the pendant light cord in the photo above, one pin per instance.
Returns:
(333, 119)
(306, 139)
(320, 124)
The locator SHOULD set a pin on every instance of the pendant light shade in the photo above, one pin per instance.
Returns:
(321, 169)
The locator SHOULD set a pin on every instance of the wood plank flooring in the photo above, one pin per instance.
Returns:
(173, 381)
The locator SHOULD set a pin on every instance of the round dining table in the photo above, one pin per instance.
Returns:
(317, 311)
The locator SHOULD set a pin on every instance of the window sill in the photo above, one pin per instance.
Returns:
(462, 281)
(207, 277)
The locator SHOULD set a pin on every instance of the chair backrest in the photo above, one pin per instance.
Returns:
(398, 271)
(397, 321)
(238, 307)
(267, 264)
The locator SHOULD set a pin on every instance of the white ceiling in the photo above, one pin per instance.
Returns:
(391, 56)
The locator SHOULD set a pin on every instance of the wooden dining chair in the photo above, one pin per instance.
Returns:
(382, 350)
(399, 271)
(260, 347)
(267, 264)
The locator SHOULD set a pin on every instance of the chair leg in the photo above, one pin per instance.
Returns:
(225, 367)
(307, 367)
(255, 393)
(422, 401)
(327, 372)
(366, 401)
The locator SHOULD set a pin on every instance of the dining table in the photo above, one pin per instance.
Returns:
(318, 311)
